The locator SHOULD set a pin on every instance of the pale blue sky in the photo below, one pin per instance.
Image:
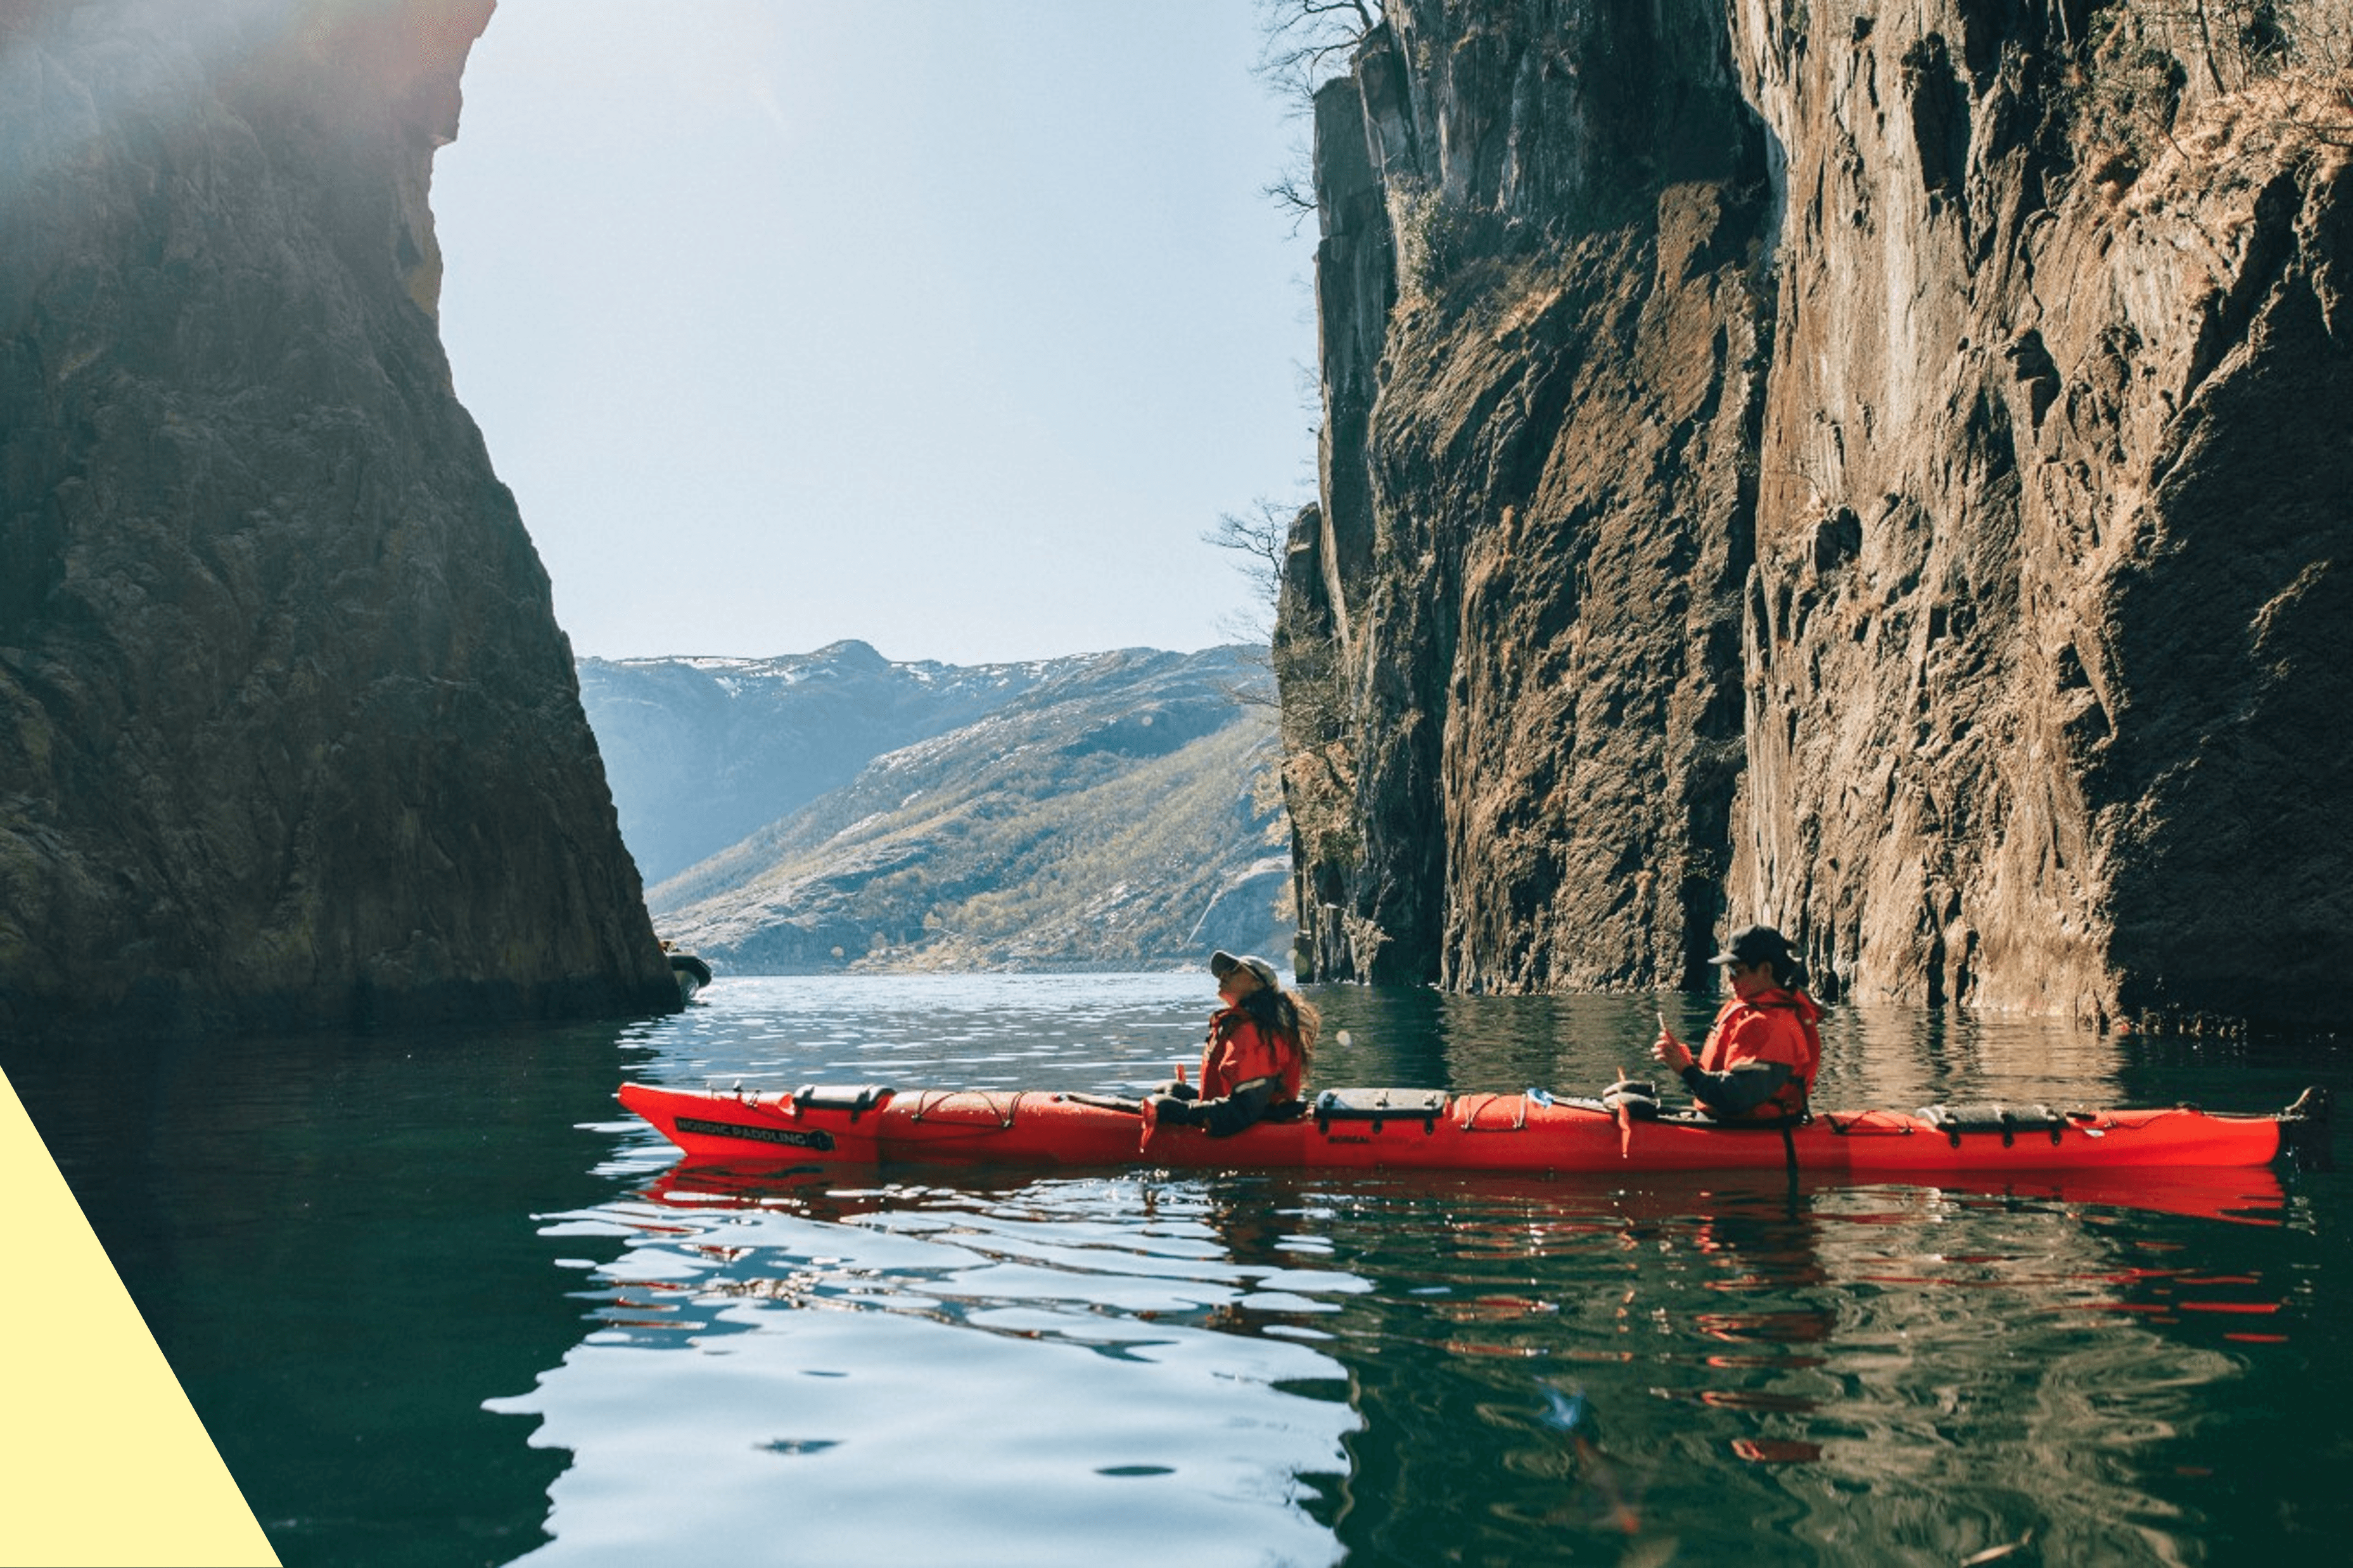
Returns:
(947, 326)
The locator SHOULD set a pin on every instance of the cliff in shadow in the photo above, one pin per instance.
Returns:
(1879, 473)
(288, 732)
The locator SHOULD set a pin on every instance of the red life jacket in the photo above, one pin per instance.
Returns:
(1774, 1026)
(1241, 1050)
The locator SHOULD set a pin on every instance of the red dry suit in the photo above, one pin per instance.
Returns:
(1779, 1026)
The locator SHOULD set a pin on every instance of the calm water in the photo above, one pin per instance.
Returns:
(439, 1301)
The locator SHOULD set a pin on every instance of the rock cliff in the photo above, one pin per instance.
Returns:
(1510, 635)
(1880, 471)
(288, 732)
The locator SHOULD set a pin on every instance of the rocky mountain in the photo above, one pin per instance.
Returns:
(1120, 814)
(1878, 470)
(704, 751)
(288, 732)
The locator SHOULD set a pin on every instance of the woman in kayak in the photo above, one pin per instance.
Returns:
(1766, 1045)
(1255, 1063)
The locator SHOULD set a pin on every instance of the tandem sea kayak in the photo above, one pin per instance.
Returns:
(1429, 1129)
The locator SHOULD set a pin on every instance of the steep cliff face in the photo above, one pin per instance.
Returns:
(288, 732)
(2025, 381)
(2059, 497)
(1510, 639)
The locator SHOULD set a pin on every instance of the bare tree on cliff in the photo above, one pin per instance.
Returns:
(2239, 42)
(1305, 43)
(1302, 43)
(2294, 57)
(1262, 539)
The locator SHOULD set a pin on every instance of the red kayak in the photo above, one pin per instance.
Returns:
(1429, 1129)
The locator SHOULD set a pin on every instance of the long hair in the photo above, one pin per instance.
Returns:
(1288, 1013)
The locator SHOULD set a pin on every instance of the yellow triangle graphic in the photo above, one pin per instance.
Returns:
(103, 1460)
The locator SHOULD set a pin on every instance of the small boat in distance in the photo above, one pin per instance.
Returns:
(1432, 1129)
(689, 970)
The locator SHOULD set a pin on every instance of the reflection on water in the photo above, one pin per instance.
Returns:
(452, 1262)
(333, 1242)
(922, 1375)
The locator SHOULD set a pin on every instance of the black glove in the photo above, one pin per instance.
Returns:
(1638, 1098)
(1170, 1111)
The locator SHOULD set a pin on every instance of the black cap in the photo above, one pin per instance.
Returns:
(1755, 944)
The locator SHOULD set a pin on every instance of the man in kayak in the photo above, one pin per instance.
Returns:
(1766, 1045)
(1255, 1063)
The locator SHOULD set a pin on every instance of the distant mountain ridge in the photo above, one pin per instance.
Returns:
(702, 751)
(1105, 811)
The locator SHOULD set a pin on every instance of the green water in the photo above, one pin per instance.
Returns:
(439, 1300)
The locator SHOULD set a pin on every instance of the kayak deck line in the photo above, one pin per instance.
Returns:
(1416, 1128)
(1470, 1115)
(932, 1104)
